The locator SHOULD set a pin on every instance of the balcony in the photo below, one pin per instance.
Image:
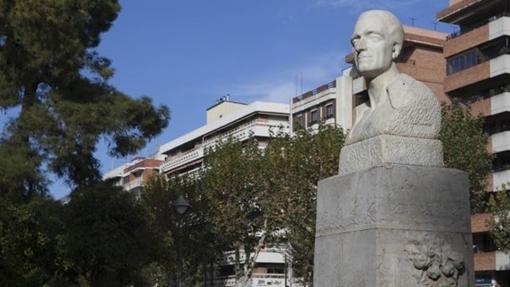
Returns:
(267, 256)
(467, 77)
(500, 142)
(461, 12)
(314, 92)
(466, 41)
(257, 280)
(137, 182)
(502, 261)
(500, 103)
(500, 178)
(182, 159)
(480, 77)
(243, 132)
(255, 128)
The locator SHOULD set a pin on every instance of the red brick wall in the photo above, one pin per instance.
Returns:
(485, 261)
(479, 222)
(481, 107)
(466, 41)
(467, 77)
(429, 67)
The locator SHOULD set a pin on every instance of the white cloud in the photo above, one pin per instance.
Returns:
(282, 85)
(358, 5)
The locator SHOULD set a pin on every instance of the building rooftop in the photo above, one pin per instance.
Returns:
(256, 107)
(313, 92)
(459, 10)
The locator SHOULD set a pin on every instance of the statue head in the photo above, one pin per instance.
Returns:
(377, 41)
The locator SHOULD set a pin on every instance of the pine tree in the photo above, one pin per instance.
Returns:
(54, 85)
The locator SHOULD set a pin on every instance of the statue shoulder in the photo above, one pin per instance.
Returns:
(405, 91)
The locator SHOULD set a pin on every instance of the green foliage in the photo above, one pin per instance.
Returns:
(464, 145)
(499, 224)
(31, 244)
(54, 86)
(232, 179)
(305, 159)
(20, 178)
(256, 192)
(109, 237)
(201, 244)
(57, 85)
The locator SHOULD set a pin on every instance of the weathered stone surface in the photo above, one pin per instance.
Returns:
(399, 105)
(387, 149)
(407, 108)
(394, 225)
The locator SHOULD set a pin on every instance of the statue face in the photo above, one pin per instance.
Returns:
(373, 44)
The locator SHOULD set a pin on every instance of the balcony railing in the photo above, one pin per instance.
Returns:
(314, 92)
(257, 280)
(500, 141)
(477, 25)
(137, 182)
(501, 178)
(240, 133)
(182, 159)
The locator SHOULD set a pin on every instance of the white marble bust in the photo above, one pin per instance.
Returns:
(399, 105)
(401, 122)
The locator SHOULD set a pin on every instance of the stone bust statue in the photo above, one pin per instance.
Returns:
(401, 122)
(399, 105)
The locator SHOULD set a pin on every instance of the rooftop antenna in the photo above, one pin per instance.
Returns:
(301, 82)
(412, 20)
(296, 85)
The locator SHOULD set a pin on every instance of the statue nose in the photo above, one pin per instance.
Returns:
(360, 45)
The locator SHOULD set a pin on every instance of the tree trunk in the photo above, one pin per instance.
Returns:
(252, 260)
(237, 263)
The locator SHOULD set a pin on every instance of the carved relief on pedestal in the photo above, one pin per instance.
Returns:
(435, 263)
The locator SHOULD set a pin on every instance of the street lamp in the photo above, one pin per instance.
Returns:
(181, 205)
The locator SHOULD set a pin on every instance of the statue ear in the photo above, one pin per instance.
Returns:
(397, 48)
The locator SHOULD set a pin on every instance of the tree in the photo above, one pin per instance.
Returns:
(260, 195)
(109, 237)
(499, 224)
(56, 85)
(201, 244)
(32, 245)
(232, 179)
(464, 144)
(299, 163)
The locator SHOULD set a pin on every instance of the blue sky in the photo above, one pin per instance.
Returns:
(188, 53)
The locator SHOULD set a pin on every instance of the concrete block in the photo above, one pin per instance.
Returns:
(394, 225)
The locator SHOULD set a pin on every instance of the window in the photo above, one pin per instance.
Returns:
(314, 117)
(478, 55)
(464, 61)
(330, 112)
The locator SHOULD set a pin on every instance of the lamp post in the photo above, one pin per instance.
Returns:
(181, 205)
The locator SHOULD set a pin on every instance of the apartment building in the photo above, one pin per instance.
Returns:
(132, 175)
(478, 73)
(225, 119)
(330, 104)
(185, 155)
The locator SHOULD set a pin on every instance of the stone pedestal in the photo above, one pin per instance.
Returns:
(394, 226)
